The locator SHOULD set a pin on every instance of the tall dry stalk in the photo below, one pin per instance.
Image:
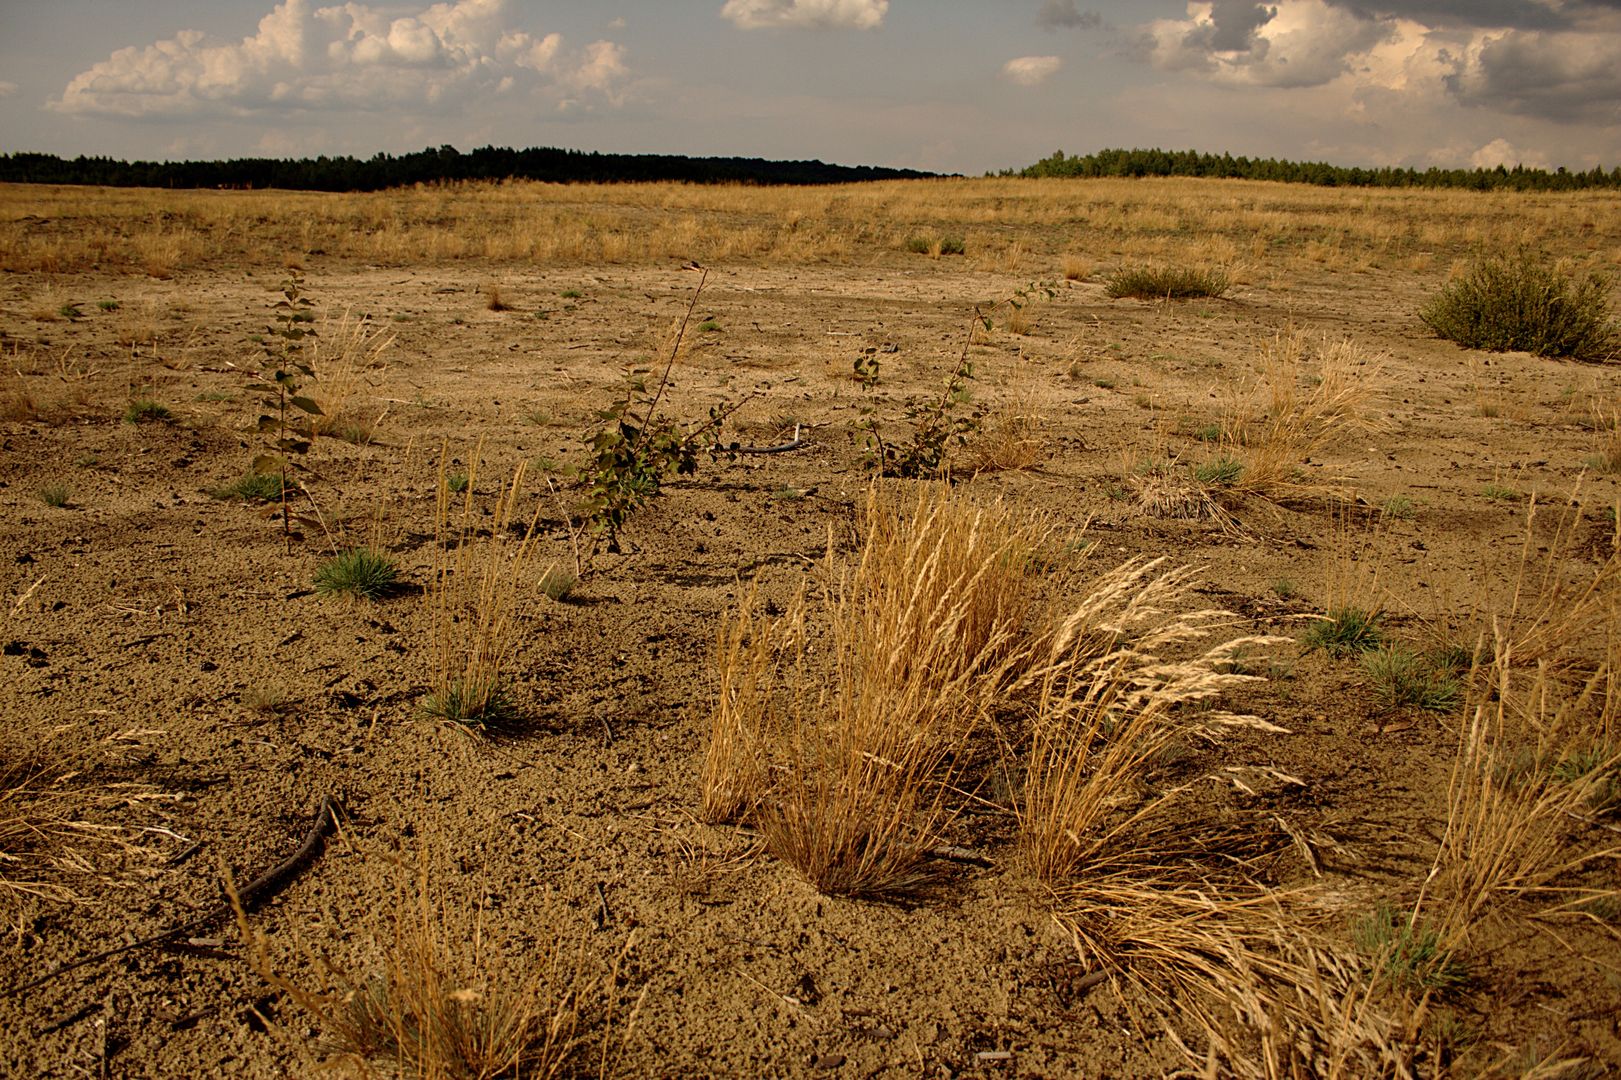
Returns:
(483, 587)
(345, 357)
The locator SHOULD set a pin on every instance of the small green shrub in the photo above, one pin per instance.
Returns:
(1406, 954)
(456, 482)
(70, 311)
(1166, 283)
(1498, 493)
(361, 572)
(107, 305)
(55, 495)
(952, 245)
(1403, 679)
(1344, 631)
(251, 487)
(1223, 472)
(146, 411)
(709, 326)
(1524, 303)
(1399, 507)
(570, 294)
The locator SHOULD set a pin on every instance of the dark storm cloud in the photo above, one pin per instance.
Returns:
(1509, 14)
(1569, 78)
(1232, 27)
(1062, 15)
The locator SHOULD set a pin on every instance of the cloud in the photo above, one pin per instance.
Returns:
(1502, 152)
(811, 14)
(1517, 14)
(7, 88)
(1062, 15)
(1571, 76)
(355, 57)
(1293, 43)
(1031, 70)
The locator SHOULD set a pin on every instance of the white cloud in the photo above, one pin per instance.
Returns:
(7, 88)
(1031, 70)
(354, 57)
(1502, 152)
(1292, 43)
(814, 14)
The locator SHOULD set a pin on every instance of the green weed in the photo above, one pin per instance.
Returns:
(1345, 630)
(1524, 303)
(1401, 678)
(362, 572)
(1166, 283)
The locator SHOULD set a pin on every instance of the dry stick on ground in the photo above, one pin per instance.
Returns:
(250, 896)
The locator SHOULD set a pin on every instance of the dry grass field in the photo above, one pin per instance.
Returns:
(1244, 703)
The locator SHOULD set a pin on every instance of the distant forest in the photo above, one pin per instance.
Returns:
(431, 166)
(1194, 163)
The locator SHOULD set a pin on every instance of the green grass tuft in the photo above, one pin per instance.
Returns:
(360, 571)
(1223, 472)
(251, 487)
(471, 702)
(146, 411)
(1525, 304)
(1407, 954)
(56, 495)
(1346, 630)
(1403, 679)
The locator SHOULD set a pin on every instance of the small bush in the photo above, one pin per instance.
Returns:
(251, 487)
(360, 571)
(557, 583)
(1525, 304)
(1345, 630)
(146, 411)
(1166, 283)
(55, 495)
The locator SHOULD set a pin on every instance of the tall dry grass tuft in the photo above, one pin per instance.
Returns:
(1106, 704)
(1520, 818)
(875, 691)
(1296, 411)
(346, 357)
(437, 1002)
(483, 586)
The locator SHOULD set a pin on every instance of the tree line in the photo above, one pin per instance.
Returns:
(1139, 163)
(430, 166)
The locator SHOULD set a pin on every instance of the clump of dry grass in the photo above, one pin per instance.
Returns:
(1297, 412)
(437, 1002)
(842, 725)
(1518, 823)
(1107, 701)
(346, 356)
(1009, 439)
(482, 590)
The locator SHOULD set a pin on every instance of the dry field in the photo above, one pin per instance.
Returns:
(1246, 705)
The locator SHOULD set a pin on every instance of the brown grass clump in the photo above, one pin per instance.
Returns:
(437, 1002)
(1301, 413)
(873, 694)
(346, 357)
(482, 589)
(1521, 800)
(1010, 439)
(1107, 703)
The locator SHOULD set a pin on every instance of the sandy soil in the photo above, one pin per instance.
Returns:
(171, 642)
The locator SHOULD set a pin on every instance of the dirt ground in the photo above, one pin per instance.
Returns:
(168, 646)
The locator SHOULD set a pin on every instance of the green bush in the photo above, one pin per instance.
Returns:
(1345, 631)
(1166, 282)
(251, 487)
(1525, 304)
(1402, 678)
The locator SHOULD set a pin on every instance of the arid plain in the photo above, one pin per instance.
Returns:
(1323, 860)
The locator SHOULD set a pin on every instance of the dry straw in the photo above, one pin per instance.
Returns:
(483, 588)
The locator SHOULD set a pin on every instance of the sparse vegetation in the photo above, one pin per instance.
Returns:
(1405, 953)
(56, 495)
(1403, 678)
(252, 487)
(143, 410)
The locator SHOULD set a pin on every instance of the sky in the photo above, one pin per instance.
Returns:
(944, 85)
